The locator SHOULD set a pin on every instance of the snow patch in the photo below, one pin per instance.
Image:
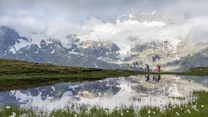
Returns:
(73, 52)
(48, 41)
(53, 88)
(124, 52)
(52, 51)
(18, 45)
(95, 65)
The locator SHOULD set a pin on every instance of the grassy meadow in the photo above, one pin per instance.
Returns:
(196, 108)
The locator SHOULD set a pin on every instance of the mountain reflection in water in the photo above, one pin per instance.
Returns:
(134, 91)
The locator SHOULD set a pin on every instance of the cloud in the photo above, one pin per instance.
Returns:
(104, 9)
(145, 20)
(23, 25)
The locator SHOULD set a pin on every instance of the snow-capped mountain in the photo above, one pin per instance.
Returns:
(171, 54)
(82, 54)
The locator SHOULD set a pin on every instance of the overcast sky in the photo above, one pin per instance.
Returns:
(99, 19)
(76, 10)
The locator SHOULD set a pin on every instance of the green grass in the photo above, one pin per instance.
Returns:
(199, 71)
(22, 74)
(197, 108)
(15, 74)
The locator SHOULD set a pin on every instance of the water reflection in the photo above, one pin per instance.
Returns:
(154, 78)
(134, 91)
(147, 77)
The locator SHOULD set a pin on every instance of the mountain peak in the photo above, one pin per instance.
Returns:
(8, 37)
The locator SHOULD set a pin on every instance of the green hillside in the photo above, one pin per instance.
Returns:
(15, 74)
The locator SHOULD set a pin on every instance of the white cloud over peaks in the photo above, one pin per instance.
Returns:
(23, 25)
(142, 20)
(120, 31)
(57, 19)
(38, 29)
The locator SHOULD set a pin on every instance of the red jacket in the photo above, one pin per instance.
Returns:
(158, 67)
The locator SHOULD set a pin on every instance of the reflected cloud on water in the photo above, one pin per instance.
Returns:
(134, 91)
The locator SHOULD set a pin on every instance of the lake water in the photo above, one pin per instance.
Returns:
(136, 91)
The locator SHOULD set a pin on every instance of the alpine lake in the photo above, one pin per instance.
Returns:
(133, 96)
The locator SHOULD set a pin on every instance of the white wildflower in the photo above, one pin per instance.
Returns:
(177, 113)
(13, 114)
(188, 111)
(149, 112)
(8, 107)
(194, 106)
(121, 113)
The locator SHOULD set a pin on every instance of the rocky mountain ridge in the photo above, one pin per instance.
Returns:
(172, 55)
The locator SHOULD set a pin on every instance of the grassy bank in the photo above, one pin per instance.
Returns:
(197, 108)
(16, 74)
(22, 74)
(198, 71)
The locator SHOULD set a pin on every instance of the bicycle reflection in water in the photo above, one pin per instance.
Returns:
(154, 78)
